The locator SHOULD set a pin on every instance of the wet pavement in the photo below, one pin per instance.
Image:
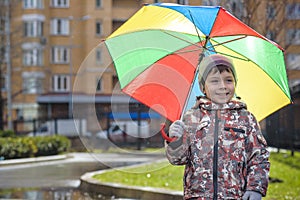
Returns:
(66, 172)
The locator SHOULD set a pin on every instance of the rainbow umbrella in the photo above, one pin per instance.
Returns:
(156, 54)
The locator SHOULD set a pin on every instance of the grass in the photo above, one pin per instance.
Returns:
(287, 169)
(160, 175)
(285, 174)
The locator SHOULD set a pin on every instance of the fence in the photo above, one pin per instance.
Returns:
(283, 128)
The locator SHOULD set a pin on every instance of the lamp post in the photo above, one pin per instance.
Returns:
(8, 66)
(71, 18)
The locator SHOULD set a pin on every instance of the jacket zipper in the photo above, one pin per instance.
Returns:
(215, 158)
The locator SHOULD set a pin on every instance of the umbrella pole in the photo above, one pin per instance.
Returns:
(163, 125)
(192, 85)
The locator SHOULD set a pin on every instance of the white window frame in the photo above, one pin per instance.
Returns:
(32, 85)
(33, 28)
(32, 82)
(33, 4)
(60, 26)
(33, 57)
(60, 83)
(60, 3)
(60, 55)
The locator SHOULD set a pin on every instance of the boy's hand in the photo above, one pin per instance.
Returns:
(251, 195)
(176, 129)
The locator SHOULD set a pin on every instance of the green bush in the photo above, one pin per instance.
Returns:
(16, 148)
(7, 133)
(23, 147)
(51, 145)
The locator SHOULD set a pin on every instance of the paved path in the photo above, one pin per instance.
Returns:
(64, 171)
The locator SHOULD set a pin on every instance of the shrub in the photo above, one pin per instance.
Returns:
(16, 148)
(51, 145)
(23, 147)
(7, 133)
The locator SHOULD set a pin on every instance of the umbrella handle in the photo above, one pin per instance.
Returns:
(164, 135)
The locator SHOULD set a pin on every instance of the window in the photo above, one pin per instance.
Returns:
(271, 12)
(33, 25)
(98, 56)
(60, 26)
(60, 3)
(33, 82)
(3, 83)
(236, 7)
(33, 57)
(293, 61)
(61, 83)
(60, 55)
(98, 28)
(2, 25)
(211, 2)
(99, 85)
(183, 2)
(293, 11)
(33, 28)
(98, 3)
(33, 4)
(271, 35)
(293, 36)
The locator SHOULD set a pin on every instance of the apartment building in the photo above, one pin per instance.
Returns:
(57, 58)
(49, 41)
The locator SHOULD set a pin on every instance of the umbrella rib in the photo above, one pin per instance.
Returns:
(242, 37)
(187, 51)
(191, 43)
(222, 43)
(225, 54)
(195, 26)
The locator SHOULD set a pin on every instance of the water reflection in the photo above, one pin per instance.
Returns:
(53, 194)
(46, 194)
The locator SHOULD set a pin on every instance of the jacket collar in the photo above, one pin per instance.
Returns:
(234, 104)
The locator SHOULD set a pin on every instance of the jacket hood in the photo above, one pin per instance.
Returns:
(207, 104)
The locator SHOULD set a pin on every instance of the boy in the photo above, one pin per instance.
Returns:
(219, 141)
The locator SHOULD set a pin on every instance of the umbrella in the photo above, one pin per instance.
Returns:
(156, 54)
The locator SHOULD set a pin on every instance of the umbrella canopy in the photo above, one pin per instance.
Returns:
(156, 54)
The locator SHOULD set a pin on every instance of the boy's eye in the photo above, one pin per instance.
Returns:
(214, 81)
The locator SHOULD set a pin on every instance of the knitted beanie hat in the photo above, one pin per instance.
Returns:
(208, 62)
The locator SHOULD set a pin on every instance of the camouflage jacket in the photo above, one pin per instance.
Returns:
(223, 150)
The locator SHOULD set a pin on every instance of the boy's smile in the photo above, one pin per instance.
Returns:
(219, 87)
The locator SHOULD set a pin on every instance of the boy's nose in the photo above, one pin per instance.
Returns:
(222, 84)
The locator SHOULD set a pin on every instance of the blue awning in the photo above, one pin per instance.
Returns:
(133, 115)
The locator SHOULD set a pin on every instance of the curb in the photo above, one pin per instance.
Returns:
(93, 186)
(32, 160)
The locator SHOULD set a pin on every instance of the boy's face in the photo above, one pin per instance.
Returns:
(219, 87)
